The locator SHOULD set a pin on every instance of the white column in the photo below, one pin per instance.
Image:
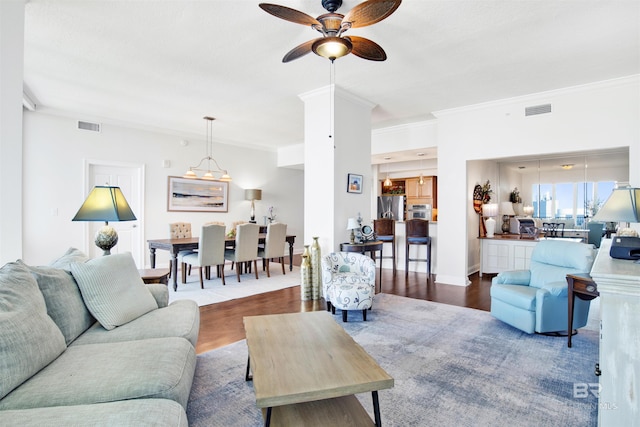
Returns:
(11, 76)
(337, 142)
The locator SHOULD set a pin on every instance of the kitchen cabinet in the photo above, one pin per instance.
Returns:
(422, 194)
(397, 188)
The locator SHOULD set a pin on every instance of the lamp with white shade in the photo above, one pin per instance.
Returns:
(352, 224)
(621, 206)
(253, 194)
(489, 210)
(506, 210)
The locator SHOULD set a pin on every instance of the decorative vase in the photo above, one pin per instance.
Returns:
(518, 209)
(316, 272)
(305, 275)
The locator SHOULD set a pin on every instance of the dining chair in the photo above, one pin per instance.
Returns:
(595, 234)
(273, 245)
(385, 231)
(180, 230)
(210, 252)
(553, 229)
(417, 233)
(246, 247)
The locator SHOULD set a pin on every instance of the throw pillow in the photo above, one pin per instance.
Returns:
(29, 339)
(72, 255)
(63, 299)
(113, 290)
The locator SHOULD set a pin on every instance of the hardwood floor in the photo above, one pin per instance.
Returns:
(221, 324)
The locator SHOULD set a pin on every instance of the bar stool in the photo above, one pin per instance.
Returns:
(385, 230)
(417, 233)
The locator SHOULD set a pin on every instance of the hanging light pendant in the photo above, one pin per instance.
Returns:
(421, 177)
(387, 182)
(209, 172)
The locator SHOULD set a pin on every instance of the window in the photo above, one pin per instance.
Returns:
(570, 201)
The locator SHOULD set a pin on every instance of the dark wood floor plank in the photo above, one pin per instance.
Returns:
(221, 323)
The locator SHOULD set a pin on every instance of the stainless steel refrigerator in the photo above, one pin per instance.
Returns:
(391, 207)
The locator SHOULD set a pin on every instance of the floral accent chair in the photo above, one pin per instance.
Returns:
(348, 282)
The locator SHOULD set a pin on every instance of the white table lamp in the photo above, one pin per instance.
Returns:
(490, 210)
(352, 224)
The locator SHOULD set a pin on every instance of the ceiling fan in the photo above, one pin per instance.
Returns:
(333, 44)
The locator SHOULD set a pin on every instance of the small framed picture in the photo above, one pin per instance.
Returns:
(354, 183)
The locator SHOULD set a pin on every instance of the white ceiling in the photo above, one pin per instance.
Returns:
(165, 64)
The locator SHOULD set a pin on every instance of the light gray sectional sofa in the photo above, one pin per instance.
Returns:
(86, 342)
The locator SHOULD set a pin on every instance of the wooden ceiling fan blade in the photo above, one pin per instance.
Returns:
(298, 51)
(366, 49)
(370, 12)
(289, 14)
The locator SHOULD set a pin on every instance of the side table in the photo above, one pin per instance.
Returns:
(371, 247)
(155, 275)
(582, 286)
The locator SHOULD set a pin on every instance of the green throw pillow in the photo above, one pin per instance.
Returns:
(63, 299)
(29, 339)
(113, 290)
(70, 256)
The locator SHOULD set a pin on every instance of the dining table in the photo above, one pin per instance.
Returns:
(175, 246)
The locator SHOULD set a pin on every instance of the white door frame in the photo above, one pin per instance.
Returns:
(88, 164)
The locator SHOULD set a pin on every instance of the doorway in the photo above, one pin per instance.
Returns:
(130, 179)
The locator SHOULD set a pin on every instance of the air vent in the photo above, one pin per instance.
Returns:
(93, 127)
(537, 109)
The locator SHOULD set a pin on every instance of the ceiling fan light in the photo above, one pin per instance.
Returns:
(332, 47)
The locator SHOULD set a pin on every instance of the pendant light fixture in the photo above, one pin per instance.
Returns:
(224, 175)
(421, 177)
(387, 182)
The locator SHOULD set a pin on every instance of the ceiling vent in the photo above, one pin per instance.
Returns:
(537, 109)
(93, 127)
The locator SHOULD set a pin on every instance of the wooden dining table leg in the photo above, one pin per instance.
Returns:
(174, 266)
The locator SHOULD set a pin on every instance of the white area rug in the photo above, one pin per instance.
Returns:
(214, 291)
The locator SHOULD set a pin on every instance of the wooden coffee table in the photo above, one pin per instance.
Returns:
(306, 370)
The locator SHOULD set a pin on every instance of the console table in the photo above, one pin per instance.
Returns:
(155, 275)
(582, 286)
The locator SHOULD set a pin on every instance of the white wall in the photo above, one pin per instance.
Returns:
(478, 172)
(11, 65)
(411, 136)
(601, 115)
(54, 154)
(590, 117)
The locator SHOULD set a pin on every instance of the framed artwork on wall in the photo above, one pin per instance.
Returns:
(197, 195)
(354, 183)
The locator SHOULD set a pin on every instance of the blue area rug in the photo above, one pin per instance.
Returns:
(451, 365)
